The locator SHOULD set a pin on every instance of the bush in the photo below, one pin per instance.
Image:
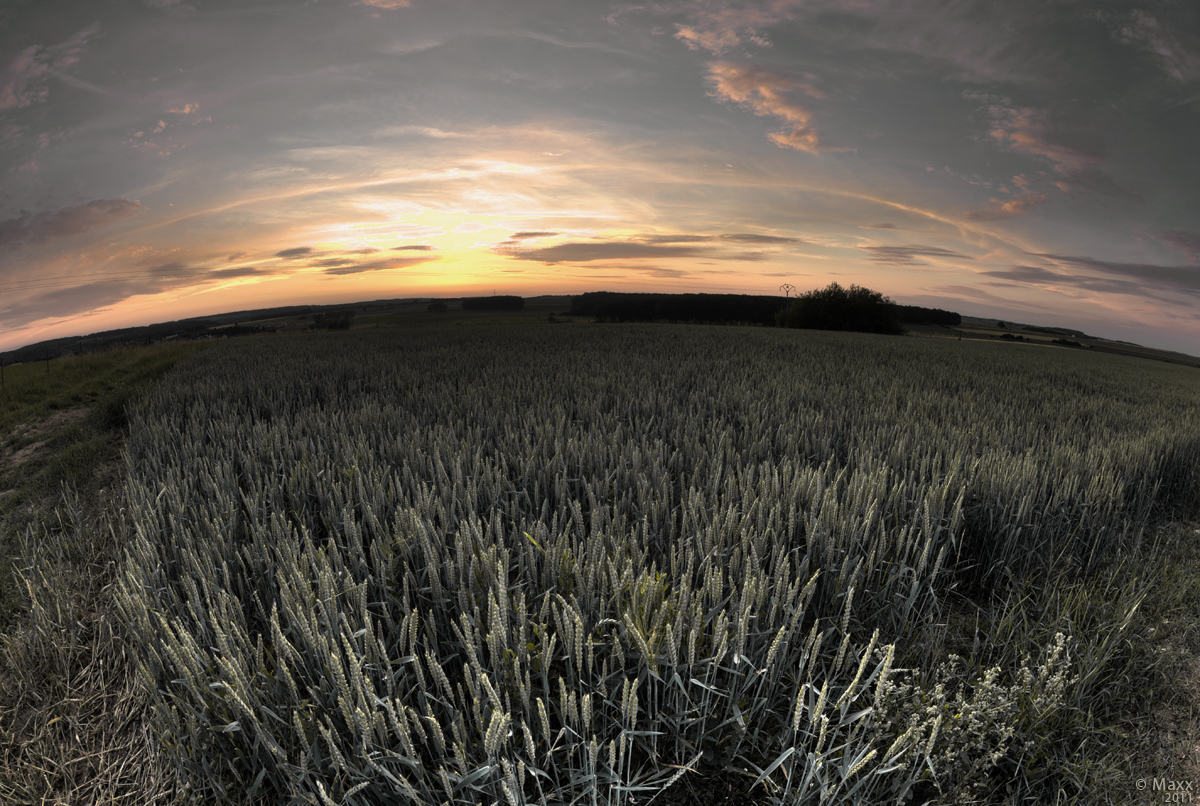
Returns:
(836, 308)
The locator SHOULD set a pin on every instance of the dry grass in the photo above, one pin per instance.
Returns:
(72, 709)
(73, 726)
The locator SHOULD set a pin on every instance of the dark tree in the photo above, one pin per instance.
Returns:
(836, 308)
(497, 303)
(334, 320)
(916, 315)
(437, 306)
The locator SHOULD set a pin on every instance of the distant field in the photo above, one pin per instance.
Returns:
(990, 330)
(536, 564)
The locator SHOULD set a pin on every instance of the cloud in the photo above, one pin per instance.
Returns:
(1025, 130)
(171, 269)
(1008, 209)
(601, 250)
(516, 236)
(1035, 275)
(639, 246)
(235, 256)
(1186, 242)
(720, 26)
(653, 271)
(68, 303)
(390, 5)
(23, 82)
(907, 255)
(423, 131)
(1184, 277)
(181, 271)
(746, 237)
(299, 251)
(994, 41)
(349, 267)
(413, 247)
(1174, 48)
(659, 239)
(186, 109)
(735, 237)
(31, 228)
(768, 93)
(227, 274)
(884, 225)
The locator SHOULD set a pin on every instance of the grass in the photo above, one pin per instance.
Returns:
(72, 710)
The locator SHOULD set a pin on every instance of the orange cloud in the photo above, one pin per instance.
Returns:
(718, 27)
(1008, 209)
(768, 93)
(1025, 130)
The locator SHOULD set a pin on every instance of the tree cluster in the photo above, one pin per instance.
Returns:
(837, 308)
(334, 320)
(916, 315)
(499, 303)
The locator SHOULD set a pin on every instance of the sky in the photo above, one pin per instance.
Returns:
(1028, 160)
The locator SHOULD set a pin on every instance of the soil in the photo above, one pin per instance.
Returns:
(11, 459)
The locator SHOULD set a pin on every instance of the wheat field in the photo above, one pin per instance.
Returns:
(591, 564)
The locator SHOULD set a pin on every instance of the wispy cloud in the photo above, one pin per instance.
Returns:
(229, 274)
(719, 26)
(390, 5)
(681, 245)
(23, 82)
(578, 252)
(1174, 47)
(1186, 278)
(732, 237)
(420, 247)
(768, 93)
(910, 255)
(1183, 240)
(1025, 130)
(343, 267)
(1061, 282)
(1007, 209)
(517, 236)
(294, 252)
(33, 228)
(748, 237)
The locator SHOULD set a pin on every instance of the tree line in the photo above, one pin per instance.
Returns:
(831, 308)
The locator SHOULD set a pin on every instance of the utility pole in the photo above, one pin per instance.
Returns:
(787, 289)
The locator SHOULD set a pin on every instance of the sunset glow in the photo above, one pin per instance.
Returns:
(1028, 161)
